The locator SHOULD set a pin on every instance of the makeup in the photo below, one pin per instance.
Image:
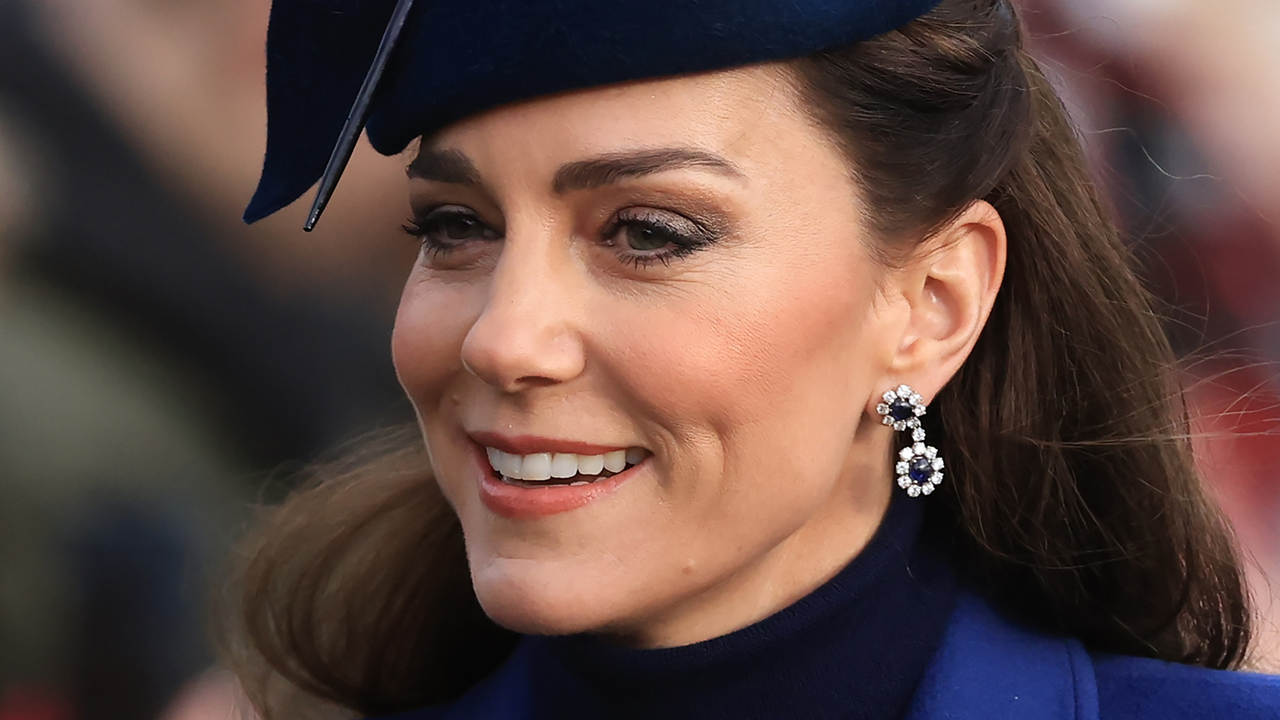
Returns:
(533, 499)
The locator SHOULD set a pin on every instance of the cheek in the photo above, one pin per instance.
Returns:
(426, 344)
(426, 349)
(756, 381)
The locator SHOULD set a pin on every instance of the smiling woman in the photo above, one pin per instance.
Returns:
(659, 338)
(704, 303)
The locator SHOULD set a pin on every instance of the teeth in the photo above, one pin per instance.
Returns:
(509, 465)
(504, 463)
(544, 466)
(536, 467)
(615, 461)
(590, 464)
(564, 465)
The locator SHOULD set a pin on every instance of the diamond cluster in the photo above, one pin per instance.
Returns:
(901, 409)
(919, 468)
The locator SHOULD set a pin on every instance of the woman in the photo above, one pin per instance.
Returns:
(670, 343)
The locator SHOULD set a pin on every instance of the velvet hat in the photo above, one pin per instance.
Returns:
(402, 69)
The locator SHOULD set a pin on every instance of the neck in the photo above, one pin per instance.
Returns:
(793, 569)
(855, 647)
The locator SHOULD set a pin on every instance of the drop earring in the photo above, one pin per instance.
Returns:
(919, 467)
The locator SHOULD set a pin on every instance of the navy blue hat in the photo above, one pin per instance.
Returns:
(456, 58)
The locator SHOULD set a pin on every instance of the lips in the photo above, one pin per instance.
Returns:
(527, 477)
(529, 444)
(561, 468)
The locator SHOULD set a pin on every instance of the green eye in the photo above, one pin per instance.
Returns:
(643, 236)
(646, 239)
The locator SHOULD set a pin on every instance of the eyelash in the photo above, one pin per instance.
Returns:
(420, 227)
(681, 243)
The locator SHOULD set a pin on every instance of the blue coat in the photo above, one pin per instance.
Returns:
(895, 634)
(989, 668)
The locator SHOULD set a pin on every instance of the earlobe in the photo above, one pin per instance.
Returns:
(950, 285)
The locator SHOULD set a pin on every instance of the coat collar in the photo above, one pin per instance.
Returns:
(989, 667)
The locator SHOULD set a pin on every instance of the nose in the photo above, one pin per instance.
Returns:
(528, 334)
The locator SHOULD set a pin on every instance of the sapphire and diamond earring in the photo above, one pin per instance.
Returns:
(919, 468)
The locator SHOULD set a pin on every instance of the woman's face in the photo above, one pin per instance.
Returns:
(669, 279)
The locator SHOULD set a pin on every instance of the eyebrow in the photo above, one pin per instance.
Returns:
(454, 167)
(609, 169)
(446, 166)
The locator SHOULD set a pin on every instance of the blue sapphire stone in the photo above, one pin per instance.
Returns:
(901, 410)
(921, 469)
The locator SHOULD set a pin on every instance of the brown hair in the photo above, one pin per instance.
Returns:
(1073, 494)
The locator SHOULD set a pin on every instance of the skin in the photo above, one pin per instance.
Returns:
(750, 369)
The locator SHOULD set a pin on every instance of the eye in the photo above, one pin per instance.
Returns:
(447, 228)
(460, 227)
(644, 236)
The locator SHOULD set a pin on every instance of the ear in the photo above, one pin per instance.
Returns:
(948, 289)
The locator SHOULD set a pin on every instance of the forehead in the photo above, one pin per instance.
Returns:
(734, 112)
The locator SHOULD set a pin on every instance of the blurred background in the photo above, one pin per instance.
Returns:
(162, 366)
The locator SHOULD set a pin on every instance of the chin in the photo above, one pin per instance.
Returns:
(537, 598)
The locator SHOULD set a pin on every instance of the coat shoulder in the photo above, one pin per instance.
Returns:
(990, 666)
(1137, 688)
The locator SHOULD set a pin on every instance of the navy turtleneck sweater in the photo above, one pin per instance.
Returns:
(855, 649)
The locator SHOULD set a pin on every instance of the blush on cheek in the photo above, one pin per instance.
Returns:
(406, 353)
(739, 364)
(427, 340)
